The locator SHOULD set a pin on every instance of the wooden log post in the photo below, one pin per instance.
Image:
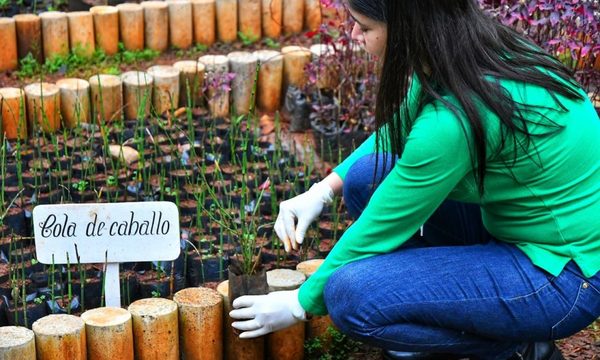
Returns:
(216, 70)
(81, 33)
(249, 19)
(227, 20)
(155, 329)
(131, 26)
(234, 347)
(55, 32)
(180, 23)
(9, 59)
(29, 36)
(107, 98)
(318, 326)
(156, 25)
(270, 80)
(293, 16)
(59, 337)
(272, 18)
(74, 102)
(17, 343)
(191, 80)
(295, 60)
(243, 64)
(312, 15)
(109, 334)
(286, 344)
(43, 107)
(165, 93)
(106, 26)
(327, 76)
(137, 94)
(200, 323)
(12, 110)
(204, 14)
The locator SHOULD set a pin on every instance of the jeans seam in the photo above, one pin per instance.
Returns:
(568, 312)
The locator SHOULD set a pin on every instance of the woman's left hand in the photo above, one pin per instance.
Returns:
(262, 314)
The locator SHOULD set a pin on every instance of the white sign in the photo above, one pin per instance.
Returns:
(107, 233)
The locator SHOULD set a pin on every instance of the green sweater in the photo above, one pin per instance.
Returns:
(547, 202)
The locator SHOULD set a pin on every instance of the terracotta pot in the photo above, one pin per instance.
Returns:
(272, 18)
(8, 39)
(312, 14)
(180, 23)
(137, 94)
(165, 93)
(226, 20)
(156, 25)
(131, 26)
(155, 329)
(293, 16)
(204, 18)
(109, 334)
(106, 98)
(17, 343)
(106, 26)
(43, 107)
(200, 323)
(12, 106)
(81, 33)
(295, 60)
(191, 80)
(234, 347)
(270, 78)
(57, 335)
(249, 18)
(243, 64)
(55, 32)
(74, 101)
(29, 36)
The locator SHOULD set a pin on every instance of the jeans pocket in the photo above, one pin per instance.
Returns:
(585, 310)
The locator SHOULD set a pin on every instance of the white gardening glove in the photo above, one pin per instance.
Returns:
(266, 313)
(304, 208)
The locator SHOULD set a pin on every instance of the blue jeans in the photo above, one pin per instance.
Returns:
(456, 290)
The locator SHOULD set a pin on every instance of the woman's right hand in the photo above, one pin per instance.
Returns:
(303, 209)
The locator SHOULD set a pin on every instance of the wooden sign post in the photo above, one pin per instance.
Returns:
(107, 233)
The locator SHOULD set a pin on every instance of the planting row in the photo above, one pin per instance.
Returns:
(194, 325)
(155, 25)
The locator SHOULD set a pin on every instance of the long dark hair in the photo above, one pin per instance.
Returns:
(459, 45)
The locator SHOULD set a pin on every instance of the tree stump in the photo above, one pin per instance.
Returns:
(250, 24)
(227, 20)
(81, 33)
(131, 26)
(327, 77)
(17, 343)
(109, 334)
(74, 101)
(43, 107)
(106, 25)
(59, 337)
(191, 79)
(14, 120)
(295, 60)
(156, 25)
(180, 23)
(243, 64)
(270, 77)
(9, 59)
(155, 329)
(200, 323)
(216, 69)
(165, 93)
(29, 36)
(272, 18)
(137, 94)
(293, 17)
(312, 15)
(318, 325)
(204, 14)
(107, 98)
(236, 348)
(286, 344)
(55, 32)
